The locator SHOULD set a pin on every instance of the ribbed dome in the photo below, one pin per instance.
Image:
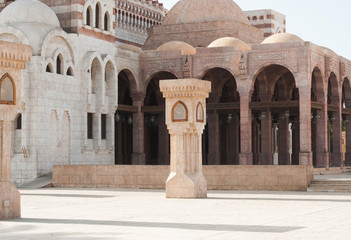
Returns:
(282, 38)
(186, 48)
(230, 41)
(195, 11)
(28, 11)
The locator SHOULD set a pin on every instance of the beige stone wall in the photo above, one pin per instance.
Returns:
(275, 178)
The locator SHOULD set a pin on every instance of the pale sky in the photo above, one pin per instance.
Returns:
(324, 22)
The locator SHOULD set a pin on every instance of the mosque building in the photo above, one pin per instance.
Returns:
(89, 93)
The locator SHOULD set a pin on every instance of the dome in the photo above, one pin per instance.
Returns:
(196, 11)
(283, 38)
(33, 18)
(230, 41)
(186, 48)
(28, 11)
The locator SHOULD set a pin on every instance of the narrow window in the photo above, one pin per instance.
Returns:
(88, 16)
(97, 16)
(59, 64)
(49, 68)
(7, 93)
(19, 121)
(106, 22)
(103, 126)
(69, 71)
(90, 125)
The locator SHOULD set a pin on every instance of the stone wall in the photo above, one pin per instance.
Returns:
(275, 178)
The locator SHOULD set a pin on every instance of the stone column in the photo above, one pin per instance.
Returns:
(185, 118)
(337, 160)
(348, 140)
(118, 153)
(10, 198)
(163, 136)
(266, 155)
(213, 139)
(284, 140)
(138, 155)
(305, 156)
(245, 156)
(322, 131)
(295, 143)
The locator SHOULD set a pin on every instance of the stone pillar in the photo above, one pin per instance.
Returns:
(245, 156)
(305, 156)
(138, 155)
(266, 155)
(348, 140)
(284, 140)
(213, 139)
(10, 198)
(185, 118)
(322, 131)
(337, 160)
(118, 149)
(295, 143)
(163, 136)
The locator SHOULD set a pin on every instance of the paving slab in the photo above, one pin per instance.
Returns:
(53, 213)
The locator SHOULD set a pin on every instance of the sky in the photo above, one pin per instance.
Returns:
(324, 22)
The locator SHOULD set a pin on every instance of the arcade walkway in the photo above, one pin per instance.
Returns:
(117, 214)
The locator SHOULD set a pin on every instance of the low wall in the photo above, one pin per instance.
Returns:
(275, 178)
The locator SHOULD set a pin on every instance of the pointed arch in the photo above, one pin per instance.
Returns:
(106, 21)
(18, 121)
(97, 15)
(49, 68)
(7, 90)
(59, 64)
(88, 16)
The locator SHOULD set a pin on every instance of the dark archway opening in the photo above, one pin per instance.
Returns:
(156, 137)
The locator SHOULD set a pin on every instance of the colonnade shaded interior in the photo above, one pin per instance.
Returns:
(275, 117)
(141, 135)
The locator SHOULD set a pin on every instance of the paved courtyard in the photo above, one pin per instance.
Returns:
(129, 214)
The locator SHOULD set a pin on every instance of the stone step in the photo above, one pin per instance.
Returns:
(41, 182)
(330, 186)
(332, 182)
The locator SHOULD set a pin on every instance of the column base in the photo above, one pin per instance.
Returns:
(138, 158)
(284, 159)
(306, 158)
(245, 159)
(336, 160)
(214, 159)
(10, 201)
(186, 185)
(266, 158)
(348, 159)
(322, 159)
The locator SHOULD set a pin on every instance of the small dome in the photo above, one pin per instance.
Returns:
(195, 11)
(33, 18)
(283, 38)
(186, 48)
(230, 41)
(28, 11)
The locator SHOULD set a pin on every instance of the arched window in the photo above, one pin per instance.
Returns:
(97, 15)
(59, 66)
(179, 112)
(106, 21)
(8, 90)
(69, 71)
(18, 121)
(254, 18)
(88, 16)
(49, 68)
